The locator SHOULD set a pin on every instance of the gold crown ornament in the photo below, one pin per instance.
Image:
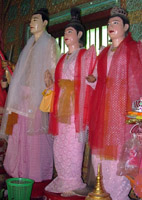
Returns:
(118, 11)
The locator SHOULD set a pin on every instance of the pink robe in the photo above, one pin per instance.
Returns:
(29, 156)
(68, 150)
(30, 147)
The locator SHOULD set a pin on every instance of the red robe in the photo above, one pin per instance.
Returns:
(113, 97)
(80, 122)
(3, 92)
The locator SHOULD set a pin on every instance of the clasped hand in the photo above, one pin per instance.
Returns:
(48, 79)
(91, 78)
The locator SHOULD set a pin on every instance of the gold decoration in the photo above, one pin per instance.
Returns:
(118, 11)
(133, 121)
(113, 49)
(99, 192)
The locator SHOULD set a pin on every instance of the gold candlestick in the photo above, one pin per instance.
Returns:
(99, 192)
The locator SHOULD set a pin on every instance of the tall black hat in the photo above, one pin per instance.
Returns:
(75, 22)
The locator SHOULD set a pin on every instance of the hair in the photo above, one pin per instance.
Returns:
(44, 14)
(124, 19)
(75, 22)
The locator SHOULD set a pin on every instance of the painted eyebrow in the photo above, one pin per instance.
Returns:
(116, 20)
(113, 21)
(35, 17)
(70, 29)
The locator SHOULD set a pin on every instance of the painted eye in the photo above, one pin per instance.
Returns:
(115, 22)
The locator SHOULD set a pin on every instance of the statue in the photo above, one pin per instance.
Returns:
(29, 153)
(118, 83)
(68, 122)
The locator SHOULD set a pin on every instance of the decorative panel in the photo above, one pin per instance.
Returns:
(134, 5)
(123, 3)
(5, 3)
(134, 9)
(55, 2)
(135, 17)
(87, 8)
(60, 5)
(21, 28)
(25, 7)
(10, 35)
(12, 13)
(40, 4)
(136, 30)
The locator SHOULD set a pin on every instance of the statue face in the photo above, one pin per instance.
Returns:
(37, 25)
(116, 28)
(70, 36)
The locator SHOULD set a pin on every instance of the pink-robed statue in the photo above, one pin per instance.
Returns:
(29, 153)
(119, 83)
(68, 122)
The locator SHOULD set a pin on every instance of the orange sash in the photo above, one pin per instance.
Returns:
(47, 101)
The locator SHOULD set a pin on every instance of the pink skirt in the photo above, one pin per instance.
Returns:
(29, 156)
(68, 157)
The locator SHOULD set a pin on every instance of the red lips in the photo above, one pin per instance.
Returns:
(111, 31)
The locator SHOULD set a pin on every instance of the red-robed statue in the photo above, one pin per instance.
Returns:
(5, 74)
(3, 84)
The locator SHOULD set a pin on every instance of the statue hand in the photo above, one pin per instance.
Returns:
(91, 78)
(4, 64)
(48, 79)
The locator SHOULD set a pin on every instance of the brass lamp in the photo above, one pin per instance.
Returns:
(99, 192)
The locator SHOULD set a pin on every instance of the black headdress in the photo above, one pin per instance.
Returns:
(75, 22)
(44, 13)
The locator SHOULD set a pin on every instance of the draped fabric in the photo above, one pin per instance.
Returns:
(3, 92)
(81, 102)
(66, 101)
(30, 148)
(69, 141)
(27, 83)
(113, 97)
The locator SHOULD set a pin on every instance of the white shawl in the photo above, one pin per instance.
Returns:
(27, 83)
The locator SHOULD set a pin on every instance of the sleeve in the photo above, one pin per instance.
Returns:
(90, 58)
(55, 54)
(91, 64)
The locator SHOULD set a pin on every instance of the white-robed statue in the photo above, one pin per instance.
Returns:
(29, 153)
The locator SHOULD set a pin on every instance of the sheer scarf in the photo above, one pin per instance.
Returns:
(27, 83)
(83, 67)
(113, 96)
